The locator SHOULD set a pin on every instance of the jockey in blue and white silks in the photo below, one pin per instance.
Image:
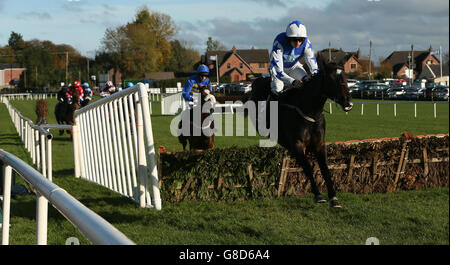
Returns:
(288, 48)
(194, 84)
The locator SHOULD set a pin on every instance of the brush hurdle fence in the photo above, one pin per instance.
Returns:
(113, 145)
(358, 166)
(92, 226)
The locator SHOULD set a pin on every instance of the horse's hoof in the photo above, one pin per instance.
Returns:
(334, 203)
(319, 199)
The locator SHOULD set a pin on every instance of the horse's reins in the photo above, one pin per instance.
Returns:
(300, 112)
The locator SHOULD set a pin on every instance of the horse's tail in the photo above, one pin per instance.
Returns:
(41, 111)
(42, 107)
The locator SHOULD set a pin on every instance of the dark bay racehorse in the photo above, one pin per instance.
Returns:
(301, 123)
(64, 111)
(205, 124)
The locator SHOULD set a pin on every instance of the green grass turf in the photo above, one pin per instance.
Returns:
(404, 217)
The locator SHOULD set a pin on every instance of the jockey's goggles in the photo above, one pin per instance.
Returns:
(299, 39)
(203, 74)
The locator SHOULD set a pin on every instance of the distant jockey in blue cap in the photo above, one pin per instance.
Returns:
(88, 94)
(196, 82)
(288, 48)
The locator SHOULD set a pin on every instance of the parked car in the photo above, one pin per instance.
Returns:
(378, 90)
(440, 92)
(398, 82)
(413, 93)
(351, 82)
(245, 88)
(355, 91)
(230, 89)
(396, 92)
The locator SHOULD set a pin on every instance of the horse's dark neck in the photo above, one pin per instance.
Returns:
(311, 99)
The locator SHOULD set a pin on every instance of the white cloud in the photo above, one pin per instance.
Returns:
(270, 3)
(347, 24)
(34, 15)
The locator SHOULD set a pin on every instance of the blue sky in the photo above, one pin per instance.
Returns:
(348, 24)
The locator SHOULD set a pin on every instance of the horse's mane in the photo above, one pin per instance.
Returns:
(307, 87)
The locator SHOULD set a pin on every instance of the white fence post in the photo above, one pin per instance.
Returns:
(76, 146)
(435, 110)
(395, 110)
(362, 109)
(151, 155)
(142, 169)
(7, 175)
(41, 219)
(43, 155)
(49, 160)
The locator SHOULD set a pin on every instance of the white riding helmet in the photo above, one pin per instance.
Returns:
(296, 29)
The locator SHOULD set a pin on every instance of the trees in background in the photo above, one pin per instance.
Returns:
(184, 58)
(384, 70)
(214, 45)
(143, 45)
(45, 62)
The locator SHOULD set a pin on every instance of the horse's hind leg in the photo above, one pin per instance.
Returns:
(302, 160)
(61, 132)
(182, 139)
(326, 174)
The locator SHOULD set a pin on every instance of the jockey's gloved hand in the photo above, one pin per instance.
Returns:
(306, 78)
(273, 96)
(296, 83)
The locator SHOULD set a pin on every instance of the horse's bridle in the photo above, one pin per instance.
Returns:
(341, 83)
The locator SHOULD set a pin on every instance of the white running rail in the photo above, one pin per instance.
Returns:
(171, 104)
(37, 140)
(29, 96)
(92, 226)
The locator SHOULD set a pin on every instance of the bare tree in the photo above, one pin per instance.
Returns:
(214, 45)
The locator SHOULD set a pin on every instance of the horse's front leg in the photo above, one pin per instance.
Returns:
(302, 160)
(61, 132)
(326, 174)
